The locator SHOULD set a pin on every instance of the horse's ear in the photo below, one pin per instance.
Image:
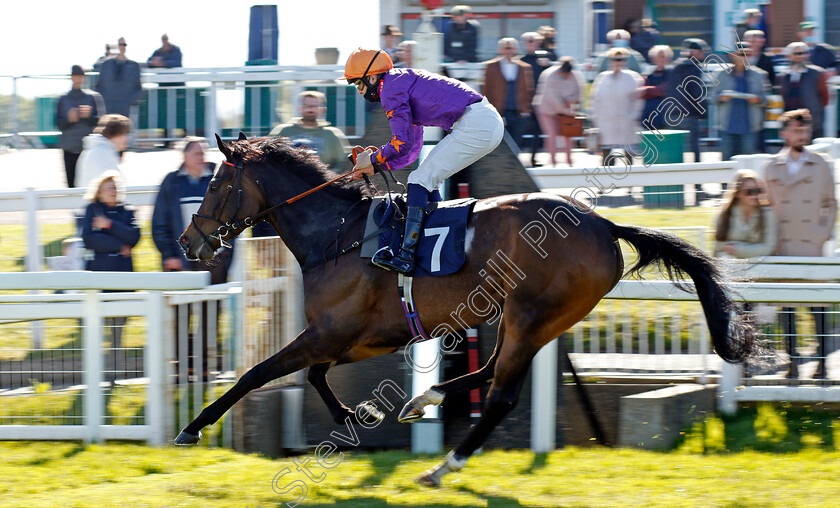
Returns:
(242, 136)
(223, 147)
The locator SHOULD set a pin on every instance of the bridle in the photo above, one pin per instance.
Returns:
(226, 228)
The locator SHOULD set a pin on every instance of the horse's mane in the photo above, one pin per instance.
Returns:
(278, 154)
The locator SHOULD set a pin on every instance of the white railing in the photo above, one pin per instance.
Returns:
(92, 307)
(664, 174)
(194, 341)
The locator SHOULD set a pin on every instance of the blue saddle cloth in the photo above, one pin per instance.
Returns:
(441, 249)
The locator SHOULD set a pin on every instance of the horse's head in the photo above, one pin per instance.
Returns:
(232, 199)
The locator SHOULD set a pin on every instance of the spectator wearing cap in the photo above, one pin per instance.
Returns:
(119, 82)
(741, 95)
(804, 86)
(390, 40)
(460, 42)
(509, 86)
(752, 21)
(684, 69)
(616, 105)
(539, 61)
(101, 149)
(758, 57)
(620, 39)
(76, 115)
(822, 55)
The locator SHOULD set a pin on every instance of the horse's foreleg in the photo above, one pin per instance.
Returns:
(509, 375)
(414, 411)
(298, 354)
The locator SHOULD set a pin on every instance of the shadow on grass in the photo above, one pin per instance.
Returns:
(371, 502)
(492, 501)
(538, 463)
(383, 466)
(72, 452)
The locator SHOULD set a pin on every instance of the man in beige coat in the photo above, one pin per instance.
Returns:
(800, 185)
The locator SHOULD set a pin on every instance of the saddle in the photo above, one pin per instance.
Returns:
(441, 250)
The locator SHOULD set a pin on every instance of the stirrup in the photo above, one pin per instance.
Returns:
(384, 251)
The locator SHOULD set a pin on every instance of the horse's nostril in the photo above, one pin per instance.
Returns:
(185, 240)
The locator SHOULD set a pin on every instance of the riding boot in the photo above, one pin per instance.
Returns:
(403, 262)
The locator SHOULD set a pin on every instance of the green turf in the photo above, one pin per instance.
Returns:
(72, 475)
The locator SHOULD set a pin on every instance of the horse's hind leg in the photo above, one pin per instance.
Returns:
(413, 410)
(509, 374)
(302, 352)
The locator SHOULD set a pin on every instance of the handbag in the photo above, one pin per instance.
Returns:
(570, 126)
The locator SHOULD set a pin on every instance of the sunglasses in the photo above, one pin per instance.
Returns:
(753, 191)
(618, 59)
(800, 52)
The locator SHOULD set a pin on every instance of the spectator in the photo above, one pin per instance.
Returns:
(752, 21)
(119, 82)
(390, 40)
(800, 184)
(758, 57)
(746, 226)
(509, 86)
(559, 92)
(620, 39)
(460, 43)
(656, 86)
(549, 41)
(328, 142)
(741, 95)
(616, 104)
(179, 197)
(168, 55)
(804, 86)
(76, 115)
(644, 38)
(822, 55)
(98, 64)
(110, 232)
(102, 148)
(684, 68)
(405, 52)
(539, 61)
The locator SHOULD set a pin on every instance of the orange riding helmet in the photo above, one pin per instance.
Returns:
(366, 62)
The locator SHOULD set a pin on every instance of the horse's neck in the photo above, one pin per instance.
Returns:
(308, 229)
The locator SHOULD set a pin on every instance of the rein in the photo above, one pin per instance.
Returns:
(229, 227)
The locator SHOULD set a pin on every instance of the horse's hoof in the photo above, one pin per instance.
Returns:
(410, 414)
(428, 480)
(368, 414)
(186, 439)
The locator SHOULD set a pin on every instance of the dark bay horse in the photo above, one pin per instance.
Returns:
(546, 261)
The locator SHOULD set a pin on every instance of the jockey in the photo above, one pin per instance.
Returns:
(413, 98)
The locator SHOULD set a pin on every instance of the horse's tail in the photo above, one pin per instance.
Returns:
(733, 336)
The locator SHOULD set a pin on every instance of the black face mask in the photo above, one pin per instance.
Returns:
(372, 92)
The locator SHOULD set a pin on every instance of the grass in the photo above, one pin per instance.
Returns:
(74, 475)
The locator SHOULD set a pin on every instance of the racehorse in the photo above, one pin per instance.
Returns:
(354, 310)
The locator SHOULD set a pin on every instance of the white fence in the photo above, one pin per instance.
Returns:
(183, 345)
